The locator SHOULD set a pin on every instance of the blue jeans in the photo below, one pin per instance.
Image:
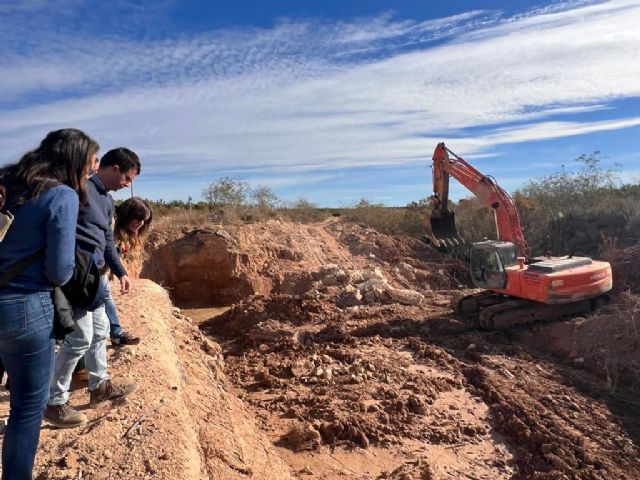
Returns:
(115, 329)
(26, 348)
(88, 340)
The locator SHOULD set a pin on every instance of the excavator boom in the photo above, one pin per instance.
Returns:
(447, 164)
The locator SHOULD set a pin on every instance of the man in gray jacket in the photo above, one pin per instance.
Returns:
(118, 168)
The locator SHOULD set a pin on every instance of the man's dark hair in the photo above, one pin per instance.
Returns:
(124, 158)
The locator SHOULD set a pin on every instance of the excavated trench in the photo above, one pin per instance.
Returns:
(341, 343)
(203, 269)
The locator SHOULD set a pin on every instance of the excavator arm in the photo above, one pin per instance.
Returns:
(447, 164)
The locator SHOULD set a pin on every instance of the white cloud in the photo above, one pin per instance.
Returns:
(305, 96)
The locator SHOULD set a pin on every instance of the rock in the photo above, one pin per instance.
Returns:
(405, 297)
(350, 299)
(306, 471)
(370, 297)
(149, 466)
(373, 283)
(329, 269)
(224, 234)
(416, 405)
(329, 281)
(356, 276)
(361, 439)
(303, 437)
(405, 268)
(506, 373)
(375, 274)
(471, 346)
(288, 254)
(303, 337)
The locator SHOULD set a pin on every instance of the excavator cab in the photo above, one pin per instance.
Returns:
(488, 261)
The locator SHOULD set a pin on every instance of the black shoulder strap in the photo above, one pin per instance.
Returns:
(17, 268)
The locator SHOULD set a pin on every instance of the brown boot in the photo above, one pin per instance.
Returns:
(64, 416)
(108, 390)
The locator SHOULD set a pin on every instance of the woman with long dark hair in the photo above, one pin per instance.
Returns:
(43, 192)
(133, 219)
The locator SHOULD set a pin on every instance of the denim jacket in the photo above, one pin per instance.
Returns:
(48, 223)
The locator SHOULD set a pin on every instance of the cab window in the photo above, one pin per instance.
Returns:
(487, 270)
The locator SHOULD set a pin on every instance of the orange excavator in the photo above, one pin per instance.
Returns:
(517, 288)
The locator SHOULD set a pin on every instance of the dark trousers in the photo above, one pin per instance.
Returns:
(26, 350)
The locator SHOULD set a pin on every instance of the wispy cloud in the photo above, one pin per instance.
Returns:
(309, 96)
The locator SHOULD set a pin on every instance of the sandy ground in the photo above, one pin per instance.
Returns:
(182, 423)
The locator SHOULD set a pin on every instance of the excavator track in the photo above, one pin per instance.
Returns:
(489, 311)
(471, 305)
(519, 312)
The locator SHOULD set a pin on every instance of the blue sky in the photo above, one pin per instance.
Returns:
(327, 100)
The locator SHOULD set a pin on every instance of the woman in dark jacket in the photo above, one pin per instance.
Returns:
(43, 191)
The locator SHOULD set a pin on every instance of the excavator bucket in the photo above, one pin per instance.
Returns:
(443, 229)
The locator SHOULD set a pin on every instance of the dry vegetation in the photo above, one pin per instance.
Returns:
(588, 212)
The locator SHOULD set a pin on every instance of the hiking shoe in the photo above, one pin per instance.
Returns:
(64, 416)
(124, 338)
(107, 390)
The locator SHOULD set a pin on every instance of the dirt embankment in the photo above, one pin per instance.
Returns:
(221, 266)
(182, 423)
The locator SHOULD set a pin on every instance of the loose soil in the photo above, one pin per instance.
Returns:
(337, 356)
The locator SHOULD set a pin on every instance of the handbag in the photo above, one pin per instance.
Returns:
(85, 290)
(63, 322)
